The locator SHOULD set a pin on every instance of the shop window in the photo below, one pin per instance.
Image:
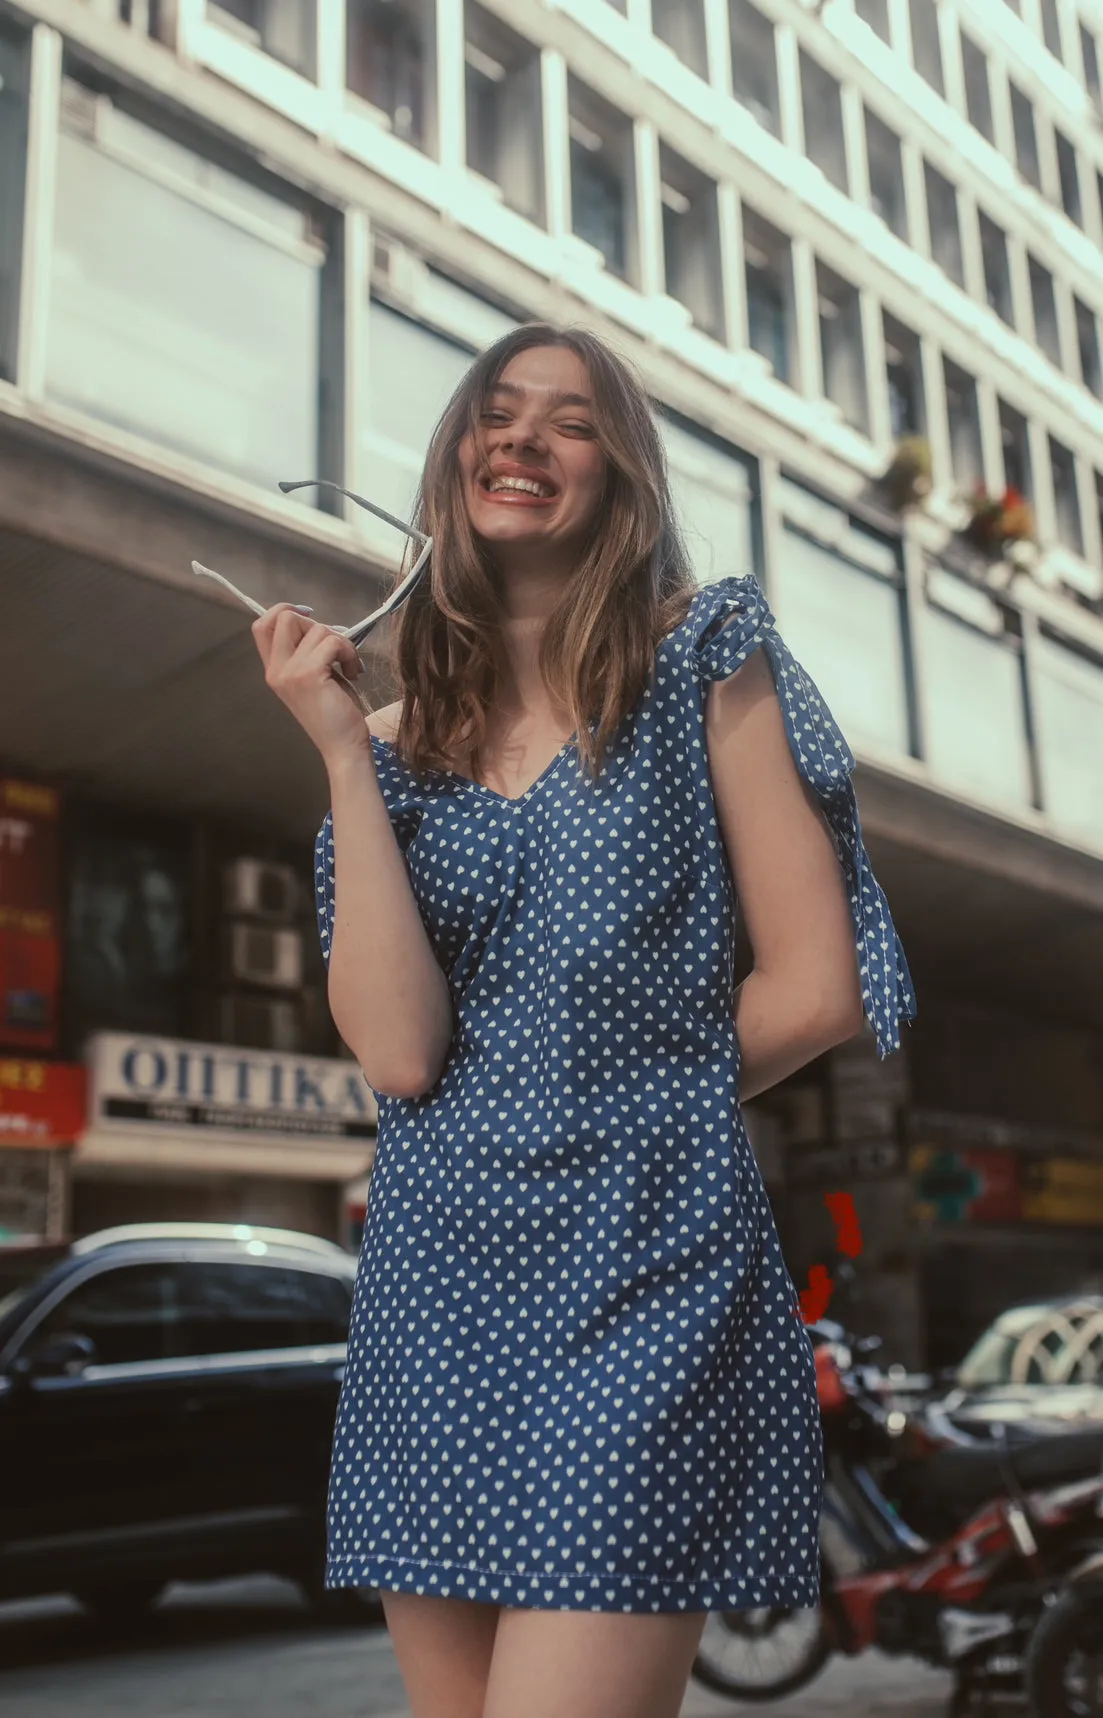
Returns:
(503, 107)
(14, 74)
(944, 224)
(975, 728)
(886, 176)
(714, 499)
(1068, 172)
(1087, 341)
(837, 592)
(1046, 329)
(875, 13)
(391, 64)
(822, 106)
(768, 258)
(963, 414)
(603, 179)
(681, 25)
(1066, 501)
(143, 333)
(1067, 688)
(286, 29)
(1017, 470)
(978, 90)
(926, 47)
(1051, 28)
(997, 269)
(754, 63)
(1026, 137)
(1089, 51)
(691, 241)
(904, 372)
(844, 370)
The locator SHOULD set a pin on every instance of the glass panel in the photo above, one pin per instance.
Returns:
(886, 176)
(283, 28)
(124, 1313)
(1069, 174)
(1051, 27)
(1026, 137)
(754, 63)
(997, 272)
(844, 625)
(945, 227)
(769, 263)
(143, 331)
(1046, 330)
(412, 374)
(876, 15)
(1087, 340)
(391, 63)
(691, 241)
(242, 1309)
(975, 722)
(1090, 54)
(926, 47)
(1017, 472)
(681, 25)
(14, 75)
(603, 179)
(978, 90)
(504, 112)
(1065, 499)
(713, 497)
(844, 368)
(904, 369)
(1068, 709)
(963, 414)
(821, 101)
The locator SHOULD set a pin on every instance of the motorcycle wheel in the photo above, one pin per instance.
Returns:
(1064, 1664)
(761, 1654)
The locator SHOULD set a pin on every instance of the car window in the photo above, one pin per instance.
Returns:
(125, 1313)
(226, 1308)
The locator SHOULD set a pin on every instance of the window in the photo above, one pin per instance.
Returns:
(714, 499)
(1051, 27)
(1087, 340)
(1090, 53)
(691, 241)
(997, 271)
(143, 331)
(963, 413)
(1069, 174)
(391, 63)
(844, 369)
(681, 25)
(944, 225)
(926, 47)
(1068, 707)
(904, 370)
(246, 1309)
(886, 176)
(1099, 501)
(1026, 138)
(824, 140)
(978, 90)
(14, 69)
(754, 64)
(975, 730)
(1065, 499)
(1017, 473)
(503, 107)
(769, 263)
(124, 1313)
(283, 28)
(1046, 330)
(876, 14)
(603, 179)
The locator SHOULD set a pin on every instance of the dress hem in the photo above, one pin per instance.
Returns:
(558, 1591)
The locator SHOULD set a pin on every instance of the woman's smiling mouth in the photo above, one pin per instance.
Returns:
(517, 489)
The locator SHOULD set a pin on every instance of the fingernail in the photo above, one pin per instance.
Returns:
(302, 608)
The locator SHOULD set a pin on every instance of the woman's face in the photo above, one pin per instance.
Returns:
(539, 483)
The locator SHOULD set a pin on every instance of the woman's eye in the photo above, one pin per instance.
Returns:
(578, 428)
(494, 417)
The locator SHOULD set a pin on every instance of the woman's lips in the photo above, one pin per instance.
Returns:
(514, 497)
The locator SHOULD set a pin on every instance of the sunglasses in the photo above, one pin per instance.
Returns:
(355, 634)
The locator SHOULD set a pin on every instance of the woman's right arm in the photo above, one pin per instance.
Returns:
(389, 998)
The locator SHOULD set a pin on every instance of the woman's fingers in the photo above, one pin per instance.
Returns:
(264, 628)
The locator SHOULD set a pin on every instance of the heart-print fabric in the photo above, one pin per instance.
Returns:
(577, 1373)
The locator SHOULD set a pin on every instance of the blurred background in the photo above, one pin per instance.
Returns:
(856, 249)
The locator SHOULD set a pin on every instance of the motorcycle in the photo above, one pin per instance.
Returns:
(932, 1544)
(1064, 1662)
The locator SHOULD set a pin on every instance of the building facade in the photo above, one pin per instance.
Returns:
(856, 249)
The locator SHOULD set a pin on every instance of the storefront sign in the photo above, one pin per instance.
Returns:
(170, 1084)
(41, 1103)
(30, 962)
(1063, 1190)
(954, 1185)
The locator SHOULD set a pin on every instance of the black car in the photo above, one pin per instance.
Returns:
(167, 1400)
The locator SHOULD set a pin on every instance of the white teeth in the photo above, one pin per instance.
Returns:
(525, 484)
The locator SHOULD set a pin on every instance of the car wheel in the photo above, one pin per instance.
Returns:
(121, 1600)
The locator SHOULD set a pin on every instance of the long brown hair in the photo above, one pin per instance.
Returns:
(632, 585)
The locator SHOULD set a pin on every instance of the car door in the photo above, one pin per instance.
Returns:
(95, 1467)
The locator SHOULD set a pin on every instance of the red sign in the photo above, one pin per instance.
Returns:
(30, 962)
(41, 1103)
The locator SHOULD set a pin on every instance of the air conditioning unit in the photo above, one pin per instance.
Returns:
(265, 955)
(259, 889)
(261, 1022)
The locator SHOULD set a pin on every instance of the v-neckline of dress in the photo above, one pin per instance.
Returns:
(491, 792)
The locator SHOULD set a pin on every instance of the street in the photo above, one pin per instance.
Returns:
(239, 1650)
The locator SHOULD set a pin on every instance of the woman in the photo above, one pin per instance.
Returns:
(580, 1409)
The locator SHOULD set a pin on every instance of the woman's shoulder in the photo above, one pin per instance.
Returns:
(383, 724)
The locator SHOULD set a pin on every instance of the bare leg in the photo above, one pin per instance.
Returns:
(591, 1664)
(443, 1647)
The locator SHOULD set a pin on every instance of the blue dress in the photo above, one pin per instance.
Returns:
(577, 1372)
